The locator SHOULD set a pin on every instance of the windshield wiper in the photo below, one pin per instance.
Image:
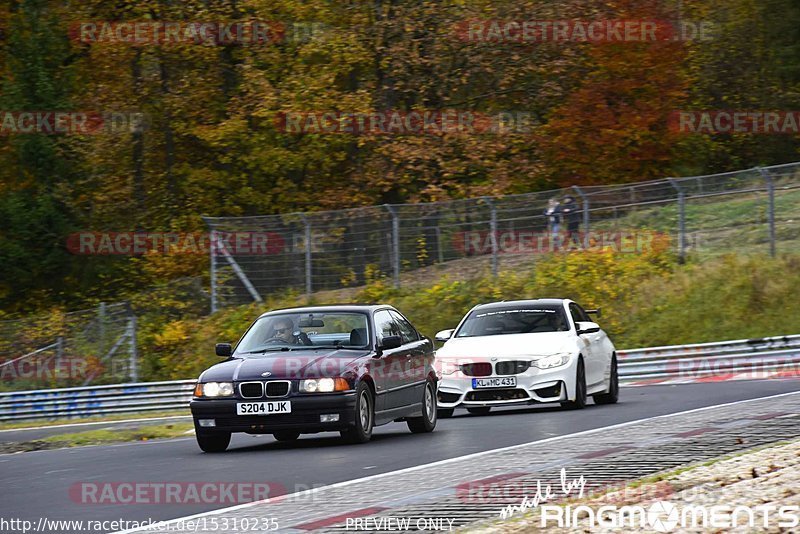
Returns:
(335, 347)
(269, 349)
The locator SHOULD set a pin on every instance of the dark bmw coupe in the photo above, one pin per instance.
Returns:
(318, 369)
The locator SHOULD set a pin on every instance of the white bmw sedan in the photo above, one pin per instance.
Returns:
(525, 352)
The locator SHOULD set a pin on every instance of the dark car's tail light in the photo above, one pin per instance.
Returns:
(477, 369)
(277, 389)
(514, 367)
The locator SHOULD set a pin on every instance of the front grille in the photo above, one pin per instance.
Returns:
(448, 397)
(251, 390)
(514, 367)
(477, 369)
(277, 388)
(497, 395)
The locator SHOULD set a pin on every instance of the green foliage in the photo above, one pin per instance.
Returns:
(646, 299)
(212, 147)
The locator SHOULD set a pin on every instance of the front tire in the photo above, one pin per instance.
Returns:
(480, 410)
(580, 389)
(612, 395)
(213, 442)
(427, 422)
(364, 416)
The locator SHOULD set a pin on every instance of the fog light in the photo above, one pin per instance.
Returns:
(205, 423)
(329, 418)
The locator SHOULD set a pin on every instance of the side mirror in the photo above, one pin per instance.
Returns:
(390, 342)
(586, 327)
(224, 349)
(594, 312)
(444, 335)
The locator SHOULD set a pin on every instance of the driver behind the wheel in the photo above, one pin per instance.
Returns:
(284, 330)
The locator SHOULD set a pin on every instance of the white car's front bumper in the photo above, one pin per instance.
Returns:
(533, 386)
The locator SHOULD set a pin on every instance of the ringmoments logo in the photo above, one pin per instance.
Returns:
(664, 516)
(649, 515)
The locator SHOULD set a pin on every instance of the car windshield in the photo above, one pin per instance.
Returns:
(514, 320)
(297, 331)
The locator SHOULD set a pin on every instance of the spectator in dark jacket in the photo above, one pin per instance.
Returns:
(572, 214)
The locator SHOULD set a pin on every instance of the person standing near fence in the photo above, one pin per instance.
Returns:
(553, 214)
(570, 212)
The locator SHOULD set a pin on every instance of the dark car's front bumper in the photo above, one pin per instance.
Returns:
(304, 418)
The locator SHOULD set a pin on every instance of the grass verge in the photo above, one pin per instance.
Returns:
(94, 419)
(103, 436)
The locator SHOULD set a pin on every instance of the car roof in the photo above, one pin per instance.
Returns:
(330, 308)
(527, 302)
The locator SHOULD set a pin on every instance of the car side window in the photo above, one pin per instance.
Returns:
(385, 325)
(584, 315)
(575, 312)
(407, 332)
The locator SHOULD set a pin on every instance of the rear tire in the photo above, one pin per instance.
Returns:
(481, 410)
(213, 442)
(364, 416)
(612, 395)
(286, 435)
(445, 413)
(580, 389)
(427, 422)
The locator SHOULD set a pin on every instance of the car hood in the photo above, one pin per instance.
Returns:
(286, 365)
(509, 346)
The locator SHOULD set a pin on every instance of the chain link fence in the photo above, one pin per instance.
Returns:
(748, 211)
(752, 210)
(93, 346)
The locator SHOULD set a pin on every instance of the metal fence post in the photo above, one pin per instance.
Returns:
(59, 354)
(395, 244)
(239, 272)
(681, 219)
(585, 202)
(770, 208)
(439, 248)
(493, 233)
(101, 317)
(309, 273)
(213, 273)
(133, 366)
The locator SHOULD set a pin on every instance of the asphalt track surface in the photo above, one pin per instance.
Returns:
(36, 484)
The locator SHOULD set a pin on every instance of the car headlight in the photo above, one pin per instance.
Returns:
(447, 367)
(214, 389)
(324, 385)
(548, 362)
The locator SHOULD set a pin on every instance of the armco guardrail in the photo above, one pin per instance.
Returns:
(95, 400)
(756, 357)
